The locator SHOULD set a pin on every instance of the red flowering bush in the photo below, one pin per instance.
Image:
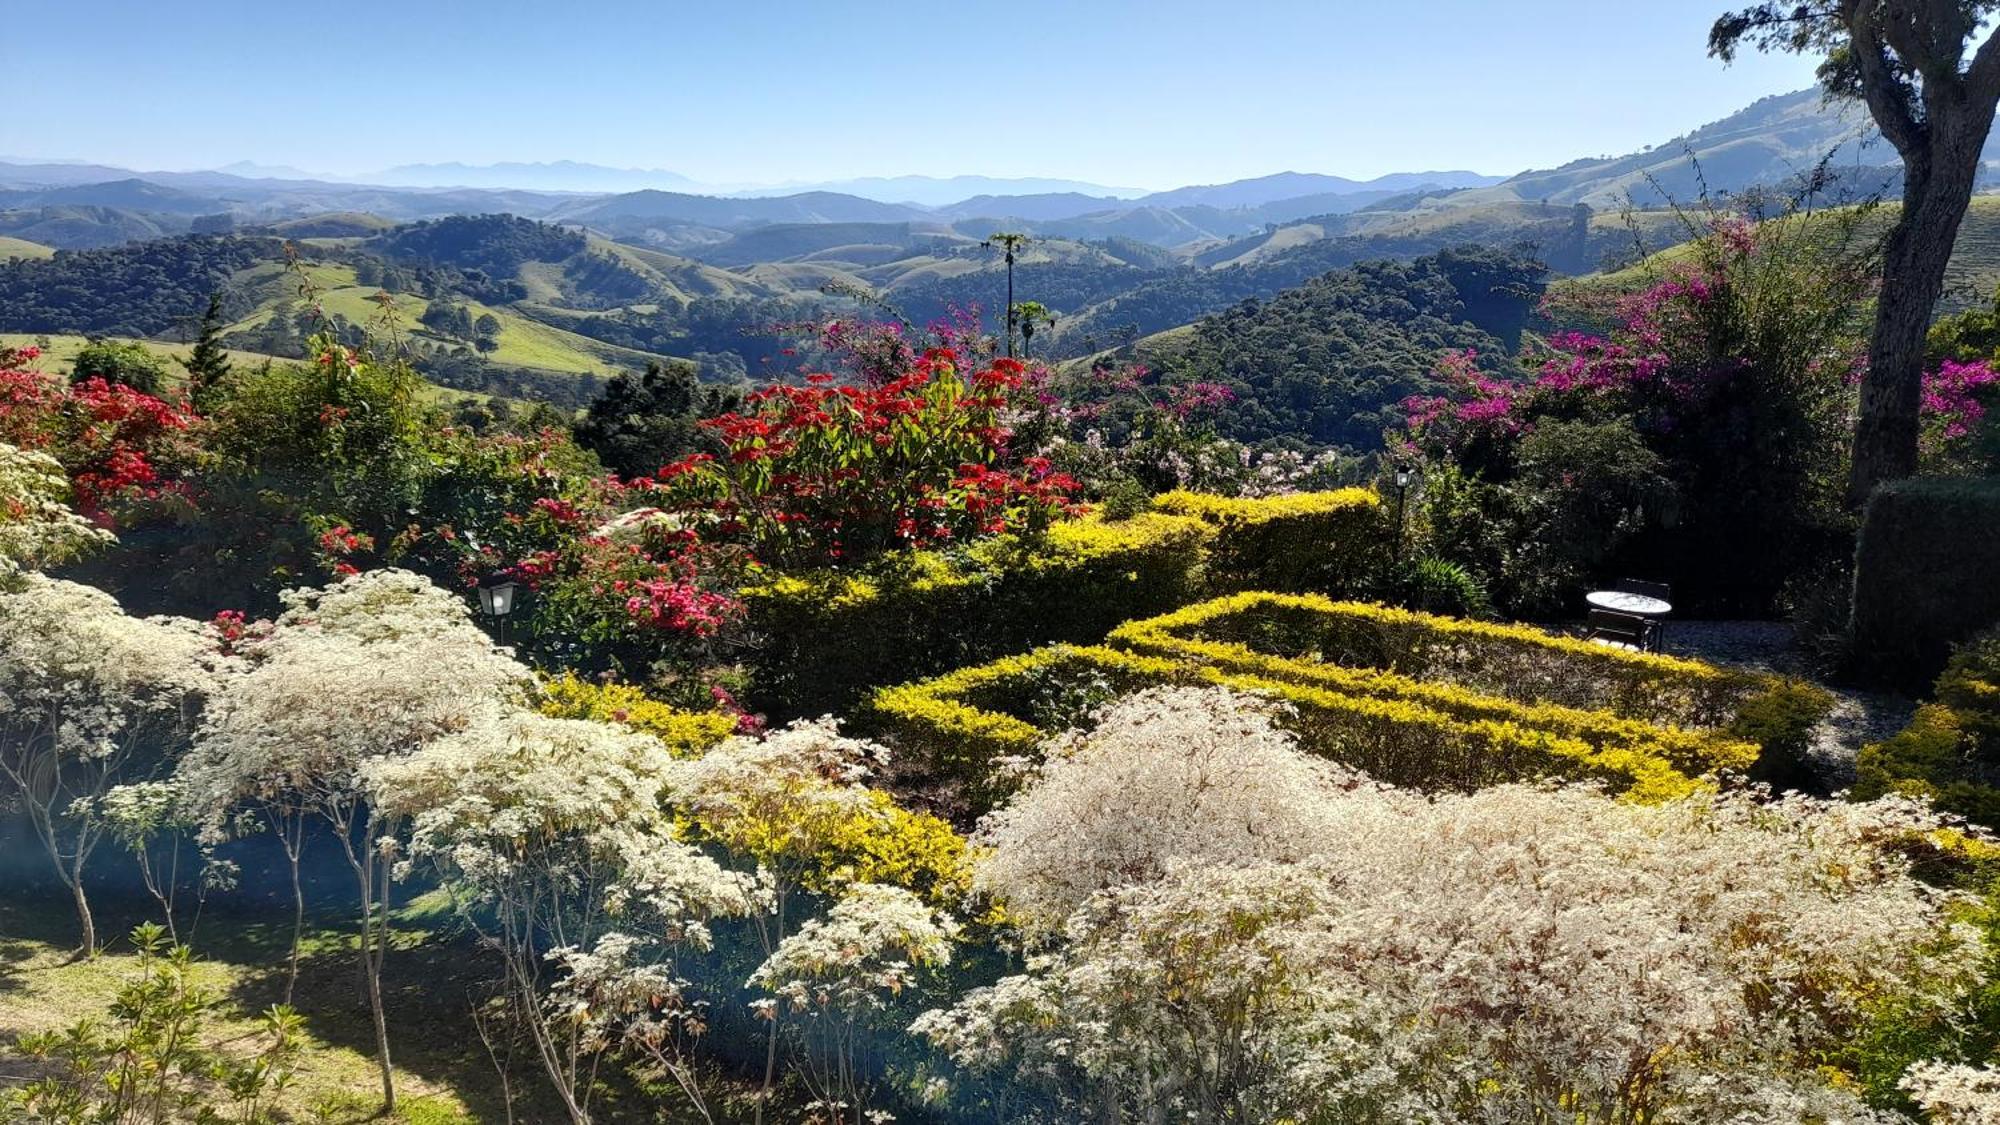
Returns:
(827, 473)
(118, 444)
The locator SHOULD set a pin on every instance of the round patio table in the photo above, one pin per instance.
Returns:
(1619, 600)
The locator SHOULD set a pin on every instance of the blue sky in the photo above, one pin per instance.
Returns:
(1146, 95)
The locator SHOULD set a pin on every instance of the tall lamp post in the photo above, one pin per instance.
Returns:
(496, 601)
(1405, 478)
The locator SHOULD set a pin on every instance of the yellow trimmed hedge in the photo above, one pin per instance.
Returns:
(1691, 751)
(684, 732)
(1701, 717)
(1304, 541)
(968, 723)
(824, 640)
(1517, 662)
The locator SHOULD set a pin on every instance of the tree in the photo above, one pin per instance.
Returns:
(550, 832)
(93, 698)
(1908, 60)
(377, 666)
(638, 424)
(37, 527)
(1010, 245)
(128, 363)
(208, 364)
(1031, 315)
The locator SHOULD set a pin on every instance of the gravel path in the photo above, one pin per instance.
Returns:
(1858, 718)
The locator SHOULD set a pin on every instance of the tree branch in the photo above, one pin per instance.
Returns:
(1889, 97)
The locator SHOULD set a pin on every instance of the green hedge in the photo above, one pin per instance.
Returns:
(1327, 541)
(968, 725)
(823, 641)
(1950, 752)
(1926, 575)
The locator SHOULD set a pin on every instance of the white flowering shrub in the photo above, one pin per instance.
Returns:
(1952, 1094)
(372, 668)
(843, 969)
(1168, 774)
(554, 836)
(1516, 954)
(37, 527)
(90, 698)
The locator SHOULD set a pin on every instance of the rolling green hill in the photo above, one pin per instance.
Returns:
(22, 248)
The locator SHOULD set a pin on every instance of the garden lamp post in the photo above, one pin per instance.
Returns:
(496, 600)
(1405, 477)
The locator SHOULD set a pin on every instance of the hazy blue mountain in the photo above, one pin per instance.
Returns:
(559, 175)
(946, 191)
(1291, 185)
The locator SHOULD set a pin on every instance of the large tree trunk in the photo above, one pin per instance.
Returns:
(1937, 188)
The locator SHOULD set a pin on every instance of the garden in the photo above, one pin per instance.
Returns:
(892, 744)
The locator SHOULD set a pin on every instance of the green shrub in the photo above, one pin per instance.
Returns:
(825, 639)
(1950, 752)
(1331, 541)
(132, 364)
(1924, 575)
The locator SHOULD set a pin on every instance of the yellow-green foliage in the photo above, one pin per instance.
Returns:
(1304, 541)
(828, 638)
(960, 723)
(1177, 636)
(684, 732)
(1948, 751)
(1514, 661)
(966, 722)
(1701, 717)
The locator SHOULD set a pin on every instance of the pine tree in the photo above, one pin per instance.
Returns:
(208, 365)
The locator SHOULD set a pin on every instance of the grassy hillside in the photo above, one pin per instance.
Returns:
(22, 248)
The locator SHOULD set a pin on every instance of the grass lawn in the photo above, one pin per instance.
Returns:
(443, 1072)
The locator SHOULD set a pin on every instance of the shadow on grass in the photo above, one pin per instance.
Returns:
(430, 980)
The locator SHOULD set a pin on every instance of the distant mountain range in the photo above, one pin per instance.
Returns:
(1773, 141)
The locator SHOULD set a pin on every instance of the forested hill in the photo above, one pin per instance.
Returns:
(1330, 360)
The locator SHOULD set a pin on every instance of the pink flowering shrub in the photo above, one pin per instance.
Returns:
(1959, 399)
(1731, 375)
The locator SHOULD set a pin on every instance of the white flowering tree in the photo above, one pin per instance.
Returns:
(1518, 954)
(840, 972)
(794, 803)
(151, 819)
(37, 527)
(89, 698)
(553, 836)
(374, 667)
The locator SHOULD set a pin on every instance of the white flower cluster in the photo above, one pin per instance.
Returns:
(1167, 774)
(37, 527)
(375, 666)
(1521, 953)
(869, 946)
(80, 676)
(1951, 1094)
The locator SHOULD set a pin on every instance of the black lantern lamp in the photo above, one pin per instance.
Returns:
(1404, 477)
(496, 600)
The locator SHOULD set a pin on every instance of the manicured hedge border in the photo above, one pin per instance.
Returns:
(1715, 719)
(1304, 541)
(824, 640)
(1399, 740)
(1926, 576)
